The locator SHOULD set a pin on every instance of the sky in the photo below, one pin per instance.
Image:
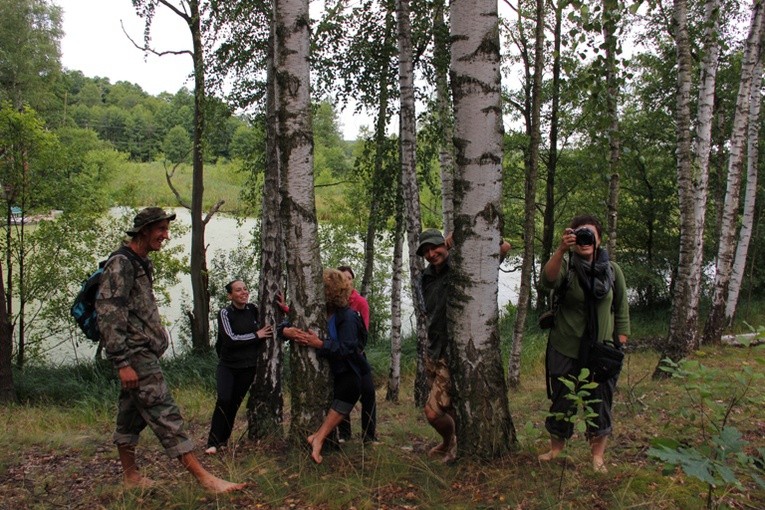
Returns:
(94, 42)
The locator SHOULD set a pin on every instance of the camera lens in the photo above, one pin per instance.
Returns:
(584, 236)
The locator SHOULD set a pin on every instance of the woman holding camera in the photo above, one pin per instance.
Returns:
(342, 349)
(592, 306)
(238, 344)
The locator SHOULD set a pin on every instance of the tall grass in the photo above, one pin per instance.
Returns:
(143, 184)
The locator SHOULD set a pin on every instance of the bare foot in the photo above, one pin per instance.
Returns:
(211, 450)
(137, 481)
(443, 448)
(451, 452)
(217, 485)
(315, 448)
(546, 457)
(599, 465)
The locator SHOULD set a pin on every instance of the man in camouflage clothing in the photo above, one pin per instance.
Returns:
(134, 340)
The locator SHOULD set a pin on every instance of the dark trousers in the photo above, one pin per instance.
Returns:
(368, 412)
(602, 399)
(232, 386)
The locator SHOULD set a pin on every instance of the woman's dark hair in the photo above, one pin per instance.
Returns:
(587, 219)
(230, 285)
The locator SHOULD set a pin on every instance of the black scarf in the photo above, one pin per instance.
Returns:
(595, 278)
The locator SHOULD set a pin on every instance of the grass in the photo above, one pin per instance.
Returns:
(62, 454)
(143, 184)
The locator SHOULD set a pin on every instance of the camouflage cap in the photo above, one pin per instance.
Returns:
(148, 216)
(430, 236)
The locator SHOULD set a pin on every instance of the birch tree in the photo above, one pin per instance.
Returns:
(610, 17)
(750, 195)
(684, 316)
(716, 318)
(394, 373)
(446, 149)
(702, 146)
(485, 428)
(309, 382)
(530, 198)
(265, 403)
(410, 187)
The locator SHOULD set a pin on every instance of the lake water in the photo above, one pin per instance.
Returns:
(223, 233)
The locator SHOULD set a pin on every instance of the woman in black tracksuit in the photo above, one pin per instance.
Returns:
(239, 338)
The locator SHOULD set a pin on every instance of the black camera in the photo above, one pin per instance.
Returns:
(280, 330)
(584, 236)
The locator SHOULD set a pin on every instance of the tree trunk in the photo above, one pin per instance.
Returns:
(716, 318)
(610, 17)
(200, 318)
(7, 389)
(485, 428)
(394, 374)
(702, 140)
(265, 404)
(446, 146)
(379, 167)
(681, 339)
(530, 206)
(410, 188)
(548, 214)
(309, 381)
(750, 196)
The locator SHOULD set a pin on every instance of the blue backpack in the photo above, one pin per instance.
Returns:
(84, 307)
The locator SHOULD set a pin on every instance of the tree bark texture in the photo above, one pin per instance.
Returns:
(611, 16)
(548, 214)
(200, 317)
(530, 198)
(410, 187)
(716, 318)
(309, 381)
(702, 141)
(446, 147)
(394, 374)
(484, 426)
(681, 339)
(265, 404)
(750, 195)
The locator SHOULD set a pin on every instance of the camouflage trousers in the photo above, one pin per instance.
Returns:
(150, 404)
(440, 382)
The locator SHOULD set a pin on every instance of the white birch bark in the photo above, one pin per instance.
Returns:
(716, 318)
(702, 144)
(309, 382)
(410, 188)
(484, 426)
(394, 374)
(750, 195)
(265, 403)
(530, 198)
(446, 147)
(683, 320)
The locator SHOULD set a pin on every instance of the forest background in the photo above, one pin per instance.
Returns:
(114, 145)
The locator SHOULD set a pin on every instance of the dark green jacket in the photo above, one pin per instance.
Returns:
(570, 320)
(434, 294)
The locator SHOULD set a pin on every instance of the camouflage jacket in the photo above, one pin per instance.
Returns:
(128, 316)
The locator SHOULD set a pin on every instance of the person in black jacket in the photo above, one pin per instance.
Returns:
(342, 349)
(239, 338)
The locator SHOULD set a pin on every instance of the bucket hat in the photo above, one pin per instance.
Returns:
(148, 216)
